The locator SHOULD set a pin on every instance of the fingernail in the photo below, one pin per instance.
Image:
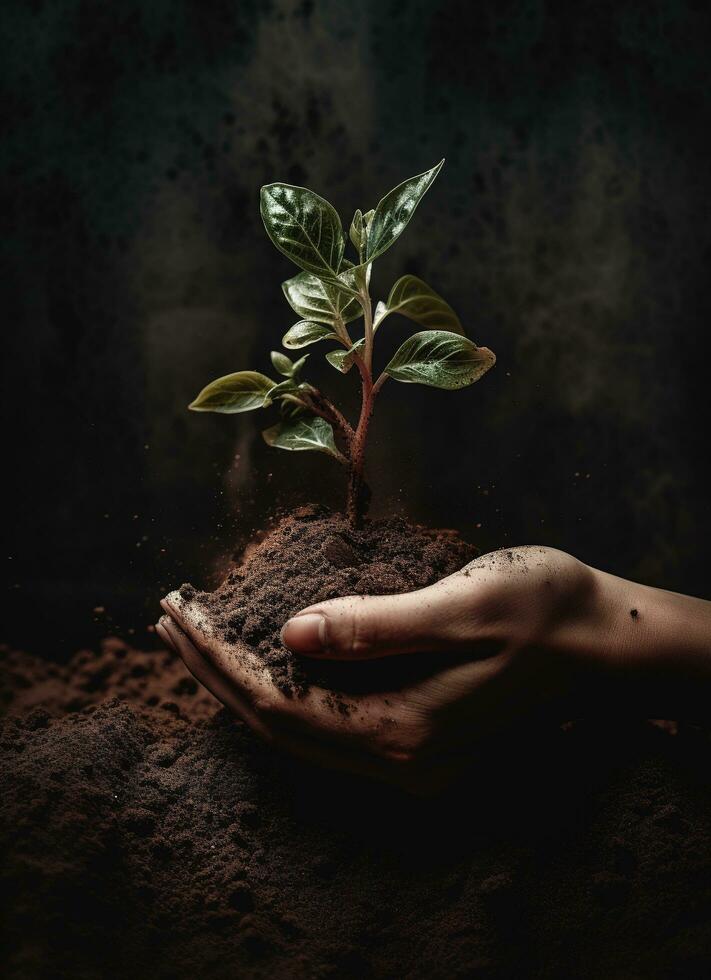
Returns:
(305, 634)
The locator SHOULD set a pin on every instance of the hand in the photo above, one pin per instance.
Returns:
(515, 632)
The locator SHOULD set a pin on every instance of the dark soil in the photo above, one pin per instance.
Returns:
(145, 833)
(312, 555)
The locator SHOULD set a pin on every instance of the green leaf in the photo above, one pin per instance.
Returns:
(298, 365)
(342, 360)
(303, 226)
(307, 332)
(321, 301)
(301, 434)
(359, 230)
(416, 300)
(282, 363)
(240, 392)
(354, 277)
(286, 387)
(395, 210)
(357, 233)
(440, 359)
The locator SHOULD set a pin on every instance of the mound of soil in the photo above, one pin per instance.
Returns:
(145, 833)
(310, 556)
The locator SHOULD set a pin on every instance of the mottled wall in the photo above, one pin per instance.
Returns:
(570, 228)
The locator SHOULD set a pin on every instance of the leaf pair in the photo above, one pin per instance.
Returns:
(245, 391)
(325, 307)
(285, 366)
(359, 231)
(307, 229)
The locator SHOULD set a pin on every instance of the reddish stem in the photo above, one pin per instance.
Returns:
(358, 493)
(322, 406)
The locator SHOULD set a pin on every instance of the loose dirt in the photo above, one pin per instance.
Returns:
(310, 556)
(146, 833)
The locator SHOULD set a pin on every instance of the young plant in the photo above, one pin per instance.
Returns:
(330, 294)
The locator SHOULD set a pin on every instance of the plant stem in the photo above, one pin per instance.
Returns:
(367, 305)
(320, 405)
(356, 503)
(358, 493)
(379, 383)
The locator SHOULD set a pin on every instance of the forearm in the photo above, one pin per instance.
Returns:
(658, 649)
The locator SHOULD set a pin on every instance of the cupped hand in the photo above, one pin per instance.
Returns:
(515, 632)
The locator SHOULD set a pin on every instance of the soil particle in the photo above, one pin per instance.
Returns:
(311, 556)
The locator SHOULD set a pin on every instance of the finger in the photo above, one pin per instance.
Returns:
(359, 733)
(165, 636)
(236, 661)
(316, 713)
(197, 665)
(209, 677)
(440, 617)
(363, 724)
(272, 725)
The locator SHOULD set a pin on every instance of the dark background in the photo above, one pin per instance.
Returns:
(570, 228)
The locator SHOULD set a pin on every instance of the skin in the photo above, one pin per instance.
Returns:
(525, 632)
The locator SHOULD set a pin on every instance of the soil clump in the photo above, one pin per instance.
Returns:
(312, 555)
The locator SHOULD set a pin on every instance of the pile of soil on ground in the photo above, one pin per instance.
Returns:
(310, 556)
(145, 833)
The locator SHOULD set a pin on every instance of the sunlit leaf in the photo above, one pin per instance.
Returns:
(440, 359)
(301, 434)
(239, 392)
(395, 210)
(416, 300)
(307, 332)
(304, 226)
(314, 299)
(342, 360)
(282, 363)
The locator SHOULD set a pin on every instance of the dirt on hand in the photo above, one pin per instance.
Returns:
(312, 555)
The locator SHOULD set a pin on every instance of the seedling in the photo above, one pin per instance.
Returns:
(330, 294)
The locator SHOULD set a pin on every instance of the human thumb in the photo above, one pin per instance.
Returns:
(366, 627)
